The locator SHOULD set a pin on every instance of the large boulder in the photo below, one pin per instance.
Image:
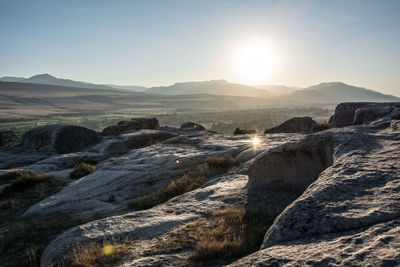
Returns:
(294, 125)
(133, 124)
(59, 137)
(6, 137)
(349, 216)
(371, 112)
(355, 113)
(293, 165)
(126, 142)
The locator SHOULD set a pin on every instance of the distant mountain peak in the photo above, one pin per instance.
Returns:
(43, 75)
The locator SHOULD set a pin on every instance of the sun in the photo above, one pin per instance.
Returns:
(255, 62)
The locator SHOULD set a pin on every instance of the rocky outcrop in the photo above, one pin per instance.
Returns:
(355, 113)
(292, 166)
(126, 142)
(334, 194)
(141, 170)
(60, 138)
(350, 215)
(133, 124)
(149, 224)
(294, 125)
(6, 137)
(192, 126)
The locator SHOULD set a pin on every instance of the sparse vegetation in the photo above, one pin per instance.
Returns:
(22, 240)
(82, 169)
(96, 254)
(188, 182)
(225, 234)
(322, 126)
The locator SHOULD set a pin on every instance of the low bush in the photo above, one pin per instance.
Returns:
(82, 169)
(244, 131)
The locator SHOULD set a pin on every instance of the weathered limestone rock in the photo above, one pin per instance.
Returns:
(61, 138)
(6, 137)
(371, 112)
(133, 175)
(193, 126)
(126, 142)
(133, 124)
(293, 165)
(350, 215)
(294, 125)
(148, 224)
(354, 113)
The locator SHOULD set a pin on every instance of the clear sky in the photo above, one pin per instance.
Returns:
(161, 42)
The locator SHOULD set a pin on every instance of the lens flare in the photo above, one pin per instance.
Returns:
(108, 249)
(255, 141)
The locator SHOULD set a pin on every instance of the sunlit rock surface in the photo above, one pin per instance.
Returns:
(349, 215)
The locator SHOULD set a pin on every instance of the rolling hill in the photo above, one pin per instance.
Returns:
(337, 92)
(51, 80)
(214, 87)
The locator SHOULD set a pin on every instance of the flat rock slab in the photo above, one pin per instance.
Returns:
(141, 225)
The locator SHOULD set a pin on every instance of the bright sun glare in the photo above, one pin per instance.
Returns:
(255, 141)
(255, 62)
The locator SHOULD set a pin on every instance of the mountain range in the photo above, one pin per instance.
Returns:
(324, 93)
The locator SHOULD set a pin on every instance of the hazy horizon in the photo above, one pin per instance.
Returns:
(155, 43)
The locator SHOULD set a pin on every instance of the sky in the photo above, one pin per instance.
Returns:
(154, 43)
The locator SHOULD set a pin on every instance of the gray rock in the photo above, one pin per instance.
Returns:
(133, 124)
(60, 138)
(128, 177)
(349, 215)
(7, 137)
(294, 165)
(354, 113)
(371, 112)
(126, 142)
(294, 125)
(148, 224)
(193, 126)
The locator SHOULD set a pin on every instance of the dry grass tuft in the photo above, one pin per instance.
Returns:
(82, 169)
(177, 187)
(188, 182)
(97, 254)
(226, 234)
(322, 126)
(21, 180)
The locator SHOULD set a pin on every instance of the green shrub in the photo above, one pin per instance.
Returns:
(82, 169)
